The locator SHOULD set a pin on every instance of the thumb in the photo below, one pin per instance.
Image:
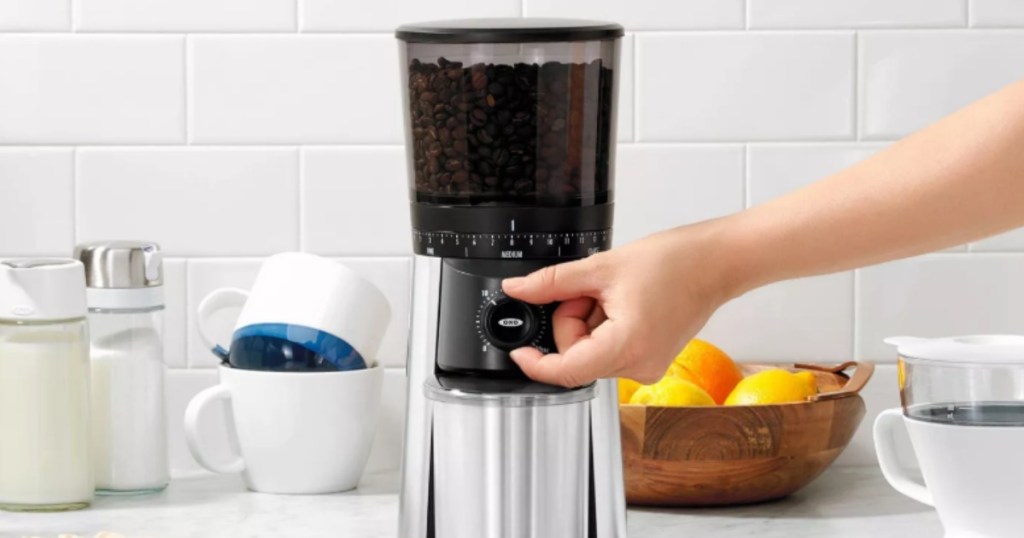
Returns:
(555, 283)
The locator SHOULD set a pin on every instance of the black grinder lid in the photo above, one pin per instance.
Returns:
(508, 30)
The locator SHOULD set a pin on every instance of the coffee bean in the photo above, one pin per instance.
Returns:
(478, 116)
(520, 133)
(479, 80)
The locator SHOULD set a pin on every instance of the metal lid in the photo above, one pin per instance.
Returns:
(508, 30)
(42, 289)
(121, 264)
(978, 349)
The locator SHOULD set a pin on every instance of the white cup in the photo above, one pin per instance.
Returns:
(297, 433)
(321, 306)
(972, 474)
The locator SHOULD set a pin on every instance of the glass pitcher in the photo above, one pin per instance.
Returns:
(963, 406)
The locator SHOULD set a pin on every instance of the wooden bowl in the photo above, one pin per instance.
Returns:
(717, 456)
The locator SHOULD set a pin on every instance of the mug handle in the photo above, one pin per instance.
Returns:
(885, 447)
(193, 438)
(215, 301)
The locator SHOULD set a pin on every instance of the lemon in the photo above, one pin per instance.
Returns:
(626, 389)
(671, 392)
(772, 387)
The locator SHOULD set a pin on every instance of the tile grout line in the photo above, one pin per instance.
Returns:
(187, 65)
(188, 314)
(300, 11)
(855, 96)
(75, 234)
(967, 13)
(746, 176)
(635, 85)
(746, 14)
(636, 89)
(302, 199)
(74, 16)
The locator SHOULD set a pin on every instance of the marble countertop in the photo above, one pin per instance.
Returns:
(842, 503)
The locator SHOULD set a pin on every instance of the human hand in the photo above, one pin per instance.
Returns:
(626, 312)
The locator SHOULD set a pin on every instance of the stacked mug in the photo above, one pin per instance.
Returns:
(300, 373)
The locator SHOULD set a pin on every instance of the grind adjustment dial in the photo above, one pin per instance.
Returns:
(508, 324)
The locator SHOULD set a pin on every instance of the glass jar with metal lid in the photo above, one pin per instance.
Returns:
(44, 386)
(126, 303)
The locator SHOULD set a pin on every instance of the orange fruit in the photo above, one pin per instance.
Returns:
(773, 387)
(707, 366)
(671, 392)
(626, 389)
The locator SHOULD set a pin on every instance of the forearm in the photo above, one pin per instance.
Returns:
(959, 180)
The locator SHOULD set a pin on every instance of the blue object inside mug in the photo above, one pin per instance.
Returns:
(289, 348)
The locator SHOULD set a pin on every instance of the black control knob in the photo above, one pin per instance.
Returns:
(509, 323)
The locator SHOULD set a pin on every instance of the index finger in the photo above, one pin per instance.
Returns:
(588, 359)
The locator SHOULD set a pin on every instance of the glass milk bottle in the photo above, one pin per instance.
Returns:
(126, 303)
(45, 462)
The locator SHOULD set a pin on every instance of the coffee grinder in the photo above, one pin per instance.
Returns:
(510, 130)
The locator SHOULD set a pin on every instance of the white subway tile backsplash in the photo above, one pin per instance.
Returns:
(662, 186)
(35, 15)
(777, 169)
(294, 89)
(386, 15)
(763, 98)
(193, 201)
(805, 320)
(855, 14)
(938, 295)
(74, 89)
(185, 15)
(997, 13)
(175, 313)
(355, 201)
(645, 14)
(36, 202)
(204, 277)
(1012, 241)
(911, 79)
(394, 278)
(744, 86)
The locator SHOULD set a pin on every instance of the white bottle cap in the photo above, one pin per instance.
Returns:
(42, 289)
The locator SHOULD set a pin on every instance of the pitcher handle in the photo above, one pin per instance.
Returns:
(885, 447)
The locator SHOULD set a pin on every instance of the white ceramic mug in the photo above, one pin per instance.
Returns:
(322, 310)
(972, 474)
(297, 433)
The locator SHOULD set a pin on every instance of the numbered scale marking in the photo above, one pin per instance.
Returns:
(511, 245)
